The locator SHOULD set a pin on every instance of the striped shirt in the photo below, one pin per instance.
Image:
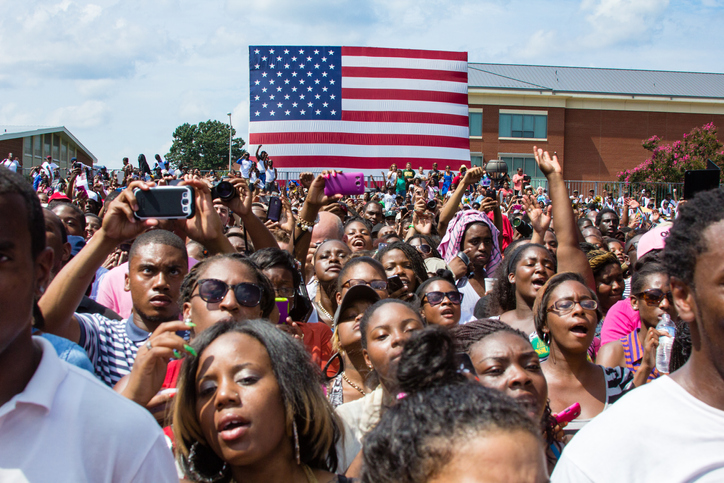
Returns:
(111, 344)
(633, 353)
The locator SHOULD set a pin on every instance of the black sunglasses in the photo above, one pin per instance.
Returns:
(213, 291)
(654, 296)
(436, 298)
(424, 249)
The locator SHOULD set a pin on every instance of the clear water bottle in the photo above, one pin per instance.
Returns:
(663, 352)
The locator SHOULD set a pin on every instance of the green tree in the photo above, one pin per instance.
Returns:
(204, 146)
(668, 162)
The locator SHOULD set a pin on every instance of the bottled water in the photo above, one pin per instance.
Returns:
(663, 352)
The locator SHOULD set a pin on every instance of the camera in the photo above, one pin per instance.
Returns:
(431, 205)
(77, 165)
(523, 228)
(223, 190)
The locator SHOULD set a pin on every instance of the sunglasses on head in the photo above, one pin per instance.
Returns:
(213, 291)
(654, 296)
(566, 305)
(375, 284)
(424, 249)
(436, 298)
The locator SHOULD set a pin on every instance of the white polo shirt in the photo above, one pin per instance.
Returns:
(66, 426)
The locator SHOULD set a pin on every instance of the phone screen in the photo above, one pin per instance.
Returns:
(283, 307)
(394, 283)
(165, 202)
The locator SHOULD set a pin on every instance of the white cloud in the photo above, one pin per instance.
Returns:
(87, 115)
(620, 21)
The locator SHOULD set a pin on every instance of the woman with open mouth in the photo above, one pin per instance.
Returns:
(358, 235)
(566, 313)
(250, 408)
(440, 302)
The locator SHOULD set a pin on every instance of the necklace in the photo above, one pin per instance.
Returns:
(321, 309)
(346, 379)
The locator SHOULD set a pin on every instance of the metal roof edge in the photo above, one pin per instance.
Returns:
(49, 130)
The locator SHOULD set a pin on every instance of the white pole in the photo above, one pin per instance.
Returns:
(230, 131)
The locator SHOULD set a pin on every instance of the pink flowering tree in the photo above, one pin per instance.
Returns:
(669, 161)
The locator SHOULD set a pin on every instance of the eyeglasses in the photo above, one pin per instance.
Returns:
(287, 292)
(375, 284)
(424, 249)
(566, 305)
(213, 291)
(436, 298)
(654, 296)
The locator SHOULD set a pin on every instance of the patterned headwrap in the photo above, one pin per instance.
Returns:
(450, 244)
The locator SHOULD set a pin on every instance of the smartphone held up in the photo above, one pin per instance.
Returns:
(165, 203)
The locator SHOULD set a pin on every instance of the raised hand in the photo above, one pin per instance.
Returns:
(305, 179)
(473, 175)
(547, 164)
(540, 219)
(316, 194)
(205, 226)
(119, 221)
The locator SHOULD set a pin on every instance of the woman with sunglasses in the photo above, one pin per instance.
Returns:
(440, 302)
(651, 298)
(566, 314)
(218, 289)
(349, 370)
(250, 408)
(425, 245)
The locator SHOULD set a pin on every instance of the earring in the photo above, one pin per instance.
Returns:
(547, 338)
(296, 441)
(41, 290)
(194, 466)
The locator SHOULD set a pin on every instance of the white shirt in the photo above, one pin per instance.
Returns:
(245, 167)
(358, 418)
(12, 165)
(271, 175)
(655, 433)
(67, 427)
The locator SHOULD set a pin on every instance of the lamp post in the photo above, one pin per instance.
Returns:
(230, 135)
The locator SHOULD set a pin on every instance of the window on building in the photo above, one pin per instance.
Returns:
(28, 146)
(475, 120)
(56, 147)
(476, 159)
(527, 126)
(37, 150)
(47, 142)
(530, 167)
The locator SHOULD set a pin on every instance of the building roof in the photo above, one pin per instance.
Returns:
(591, 80)
(48, 130)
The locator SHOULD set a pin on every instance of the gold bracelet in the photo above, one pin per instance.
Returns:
(305, 225)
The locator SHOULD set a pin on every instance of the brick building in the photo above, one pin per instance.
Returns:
(595, 119)
(33, 146)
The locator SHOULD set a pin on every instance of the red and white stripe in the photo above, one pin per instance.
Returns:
(398, 105)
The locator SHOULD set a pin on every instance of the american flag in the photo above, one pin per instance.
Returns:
(358, 107)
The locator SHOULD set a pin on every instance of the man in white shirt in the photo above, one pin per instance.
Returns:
(671, 429)
(246, 164)
(58, 422)
(13, 164)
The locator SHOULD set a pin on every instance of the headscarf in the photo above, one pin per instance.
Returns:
(450, 244)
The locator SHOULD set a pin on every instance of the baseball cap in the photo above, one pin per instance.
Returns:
(58, 196)
(355, 293)
(653, 239)
(390, 214)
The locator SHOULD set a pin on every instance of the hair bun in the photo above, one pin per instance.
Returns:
(428, 360)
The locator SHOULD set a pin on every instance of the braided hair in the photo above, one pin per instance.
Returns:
(598, 259)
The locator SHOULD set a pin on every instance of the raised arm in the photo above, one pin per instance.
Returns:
(453, 204)
(316, 199)
(540, 219)
(62, 297)
(260, 235)
(569, 255)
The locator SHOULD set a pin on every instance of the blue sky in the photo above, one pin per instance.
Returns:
(122, 76)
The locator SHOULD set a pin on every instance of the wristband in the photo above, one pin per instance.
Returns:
(464, 258)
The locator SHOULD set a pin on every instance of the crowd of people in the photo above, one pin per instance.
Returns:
(443, 327)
